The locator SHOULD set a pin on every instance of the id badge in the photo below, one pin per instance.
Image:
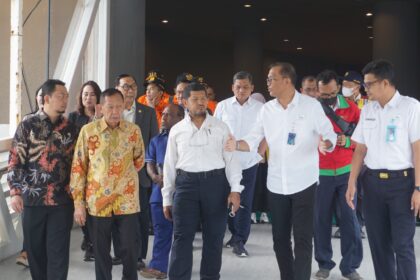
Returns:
(391, 133)
(291, 138)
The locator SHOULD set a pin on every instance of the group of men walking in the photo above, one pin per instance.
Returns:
(203, 171)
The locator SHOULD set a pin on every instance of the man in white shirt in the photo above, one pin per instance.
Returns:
(309, 86)
(388, 142)
(240, 114)
(197, 173)
(293, 125)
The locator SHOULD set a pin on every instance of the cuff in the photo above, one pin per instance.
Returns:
(79, 203)
(348, 142)
(237, 188)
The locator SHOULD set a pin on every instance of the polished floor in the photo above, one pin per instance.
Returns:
(261, 263)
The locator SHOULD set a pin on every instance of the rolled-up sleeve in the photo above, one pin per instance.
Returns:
(169, 170)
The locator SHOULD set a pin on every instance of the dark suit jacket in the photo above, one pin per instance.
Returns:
(146, 120)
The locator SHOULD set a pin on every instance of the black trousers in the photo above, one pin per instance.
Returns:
(295, 210)
(199, 197)
(260, 195)
(143, 221)
(390, 225)
(127, 228)
(47, 240)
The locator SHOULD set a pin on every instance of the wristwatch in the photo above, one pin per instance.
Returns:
(417, 188)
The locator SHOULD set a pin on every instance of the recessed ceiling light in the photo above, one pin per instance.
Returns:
(371, 37)
(370, 27)
(263, 19)
(247, 5)
(369, 14)
(165, 21)
(299, 48)
(285, 40)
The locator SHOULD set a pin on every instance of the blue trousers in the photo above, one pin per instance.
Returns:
(199, 197)
(390, 226)
(240, 225)
(331, 189)
(163, 238)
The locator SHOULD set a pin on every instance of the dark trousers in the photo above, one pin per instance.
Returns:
(390, 226)
(127, 228)
(47, 240)
(199, 197)
(260, 194)
(240, 225)
(295, 210)
(163, 230)
(329, 190)
(143, 224)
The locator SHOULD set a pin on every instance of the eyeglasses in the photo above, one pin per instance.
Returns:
(127, 87)
(368, 85)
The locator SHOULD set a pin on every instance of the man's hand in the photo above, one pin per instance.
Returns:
(351, 191)
(415, 203)
(158, 180)
(80, 215)
(323, 146)
(234, 199)
(167, 211)
(341, 140)
(230, 145)
(17, 203)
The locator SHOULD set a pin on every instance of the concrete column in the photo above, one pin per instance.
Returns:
(248, 50)
(396, 34)
(127, 39)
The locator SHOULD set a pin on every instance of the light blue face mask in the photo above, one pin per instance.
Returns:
(347, 92)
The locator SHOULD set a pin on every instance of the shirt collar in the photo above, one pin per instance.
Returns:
(249, 101)
(189, 121)
(393, 102)
(44, 117)
(103, 125)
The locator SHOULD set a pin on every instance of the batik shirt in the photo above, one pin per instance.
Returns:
(40, 160)
(104, 172)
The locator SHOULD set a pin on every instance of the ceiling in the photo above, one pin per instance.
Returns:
(332, 30)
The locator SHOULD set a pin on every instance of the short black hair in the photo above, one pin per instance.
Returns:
(193, 87)
(243, 75)
(327, 76)
(122, 76)
(48, 87)
(381, 69)
(309, 78)
(287, 70)
(110, 92)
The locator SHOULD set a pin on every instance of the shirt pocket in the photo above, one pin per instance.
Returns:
(230, 121)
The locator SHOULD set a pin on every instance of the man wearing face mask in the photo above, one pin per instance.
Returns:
(334, 170)
(352, 82)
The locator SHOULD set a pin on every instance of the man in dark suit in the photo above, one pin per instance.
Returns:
(145, 118)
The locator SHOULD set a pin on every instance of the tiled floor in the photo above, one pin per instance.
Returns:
(260, 265)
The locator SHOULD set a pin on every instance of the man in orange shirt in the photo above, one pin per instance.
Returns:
(155, 95)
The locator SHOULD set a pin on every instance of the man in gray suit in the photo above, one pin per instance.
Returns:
(145, 118)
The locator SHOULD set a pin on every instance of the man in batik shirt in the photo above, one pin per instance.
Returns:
(38, 176)
(104, 180)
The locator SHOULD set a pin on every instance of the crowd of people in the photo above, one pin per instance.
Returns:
(343, 149)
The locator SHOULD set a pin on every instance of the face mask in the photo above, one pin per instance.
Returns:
(329, 101)
(347, 92)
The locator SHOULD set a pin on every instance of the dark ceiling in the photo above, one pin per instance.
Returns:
(331, 30)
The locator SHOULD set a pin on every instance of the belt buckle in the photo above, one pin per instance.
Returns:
(405, 173)
(383, 175)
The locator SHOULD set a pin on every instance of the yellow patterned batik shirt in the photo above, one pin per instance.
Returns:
(104, 176)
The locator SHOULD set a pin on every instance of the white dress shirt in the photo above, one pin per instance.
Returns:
(403, 113)
(240, 120)
(130, 115)
(197, 150)
(292, 168)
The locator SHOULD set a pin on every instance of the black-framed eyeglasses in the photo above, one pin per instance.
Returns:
(127, 87)
(368, 85)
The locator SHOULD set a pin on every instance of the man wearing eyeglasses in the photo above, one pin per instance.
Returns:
(145, 117)
(388, 142)
(197, 173)
(292, 125)
(239, 113)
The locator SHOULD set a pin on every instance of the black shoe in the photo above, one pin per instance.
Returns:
(239, 250)
(89, 255)
(230, 243)
(362, 234)
(140, 265)
(116, 261)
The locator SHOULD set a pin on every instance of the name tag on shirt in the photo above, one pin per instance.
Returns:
(291, 138)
